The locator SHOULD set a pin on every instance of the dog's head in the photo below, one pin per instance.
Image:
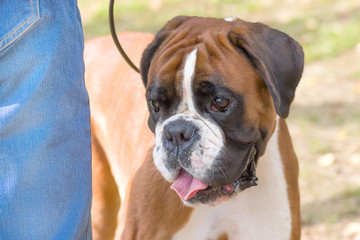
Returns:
(214, 88)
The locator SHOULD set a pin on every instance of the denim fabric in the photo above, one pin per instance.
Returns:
(45, 145)
(22, 17)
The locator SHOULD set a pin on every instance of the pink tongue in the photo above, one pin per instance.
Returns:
(186, 186)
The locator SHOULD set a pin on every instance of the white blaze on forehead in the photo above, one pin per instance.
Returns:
(187, 105)
(189, 75)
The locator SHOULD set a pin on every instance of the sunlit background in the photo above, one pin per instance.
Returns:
(325, 116)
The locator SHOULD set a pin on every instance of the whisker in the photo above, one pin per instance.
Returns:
(223, 173)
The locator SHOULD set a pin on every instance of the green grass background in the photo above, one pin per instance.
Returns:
(325, 28)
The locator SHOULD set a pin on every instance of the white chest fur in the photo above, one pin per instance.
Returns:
(258, 213)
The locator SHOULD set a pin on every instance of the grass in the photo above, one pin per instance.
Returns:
(343, 205)
(323, 34)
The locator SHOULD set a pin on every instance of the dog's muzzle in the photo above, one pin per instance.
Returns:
(190, 161)
(179, 136)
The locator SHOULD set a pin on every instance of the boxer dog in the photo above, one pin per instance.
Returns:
(202, 151)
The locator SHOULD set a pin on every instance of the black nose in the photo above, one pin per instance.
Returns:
(179, 133)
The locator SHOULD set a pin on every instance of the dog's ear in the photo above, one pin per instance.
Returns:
(151, 49)
(278, 58)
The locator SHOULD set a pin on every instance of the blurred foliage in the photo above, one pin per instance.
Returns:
(325, 28)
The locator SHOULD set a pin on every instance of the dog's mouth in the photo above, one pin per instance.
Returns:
(192, 190)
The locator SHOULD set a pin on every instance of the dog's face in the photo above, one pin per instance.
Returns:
(214, 88)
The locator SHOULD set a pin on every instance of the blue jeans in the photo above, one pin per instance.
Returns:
(45, 144)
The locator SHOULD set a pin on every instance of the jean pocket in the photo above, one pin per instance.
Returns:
(16, 17)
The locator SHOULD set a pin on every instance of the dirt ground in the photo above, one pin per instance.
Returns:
(325, 126)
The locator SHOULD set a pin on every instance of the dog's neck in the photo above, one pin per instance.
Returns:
(264, 207)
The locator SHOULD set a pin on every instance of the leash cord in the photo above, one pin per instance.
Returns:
(115, 38)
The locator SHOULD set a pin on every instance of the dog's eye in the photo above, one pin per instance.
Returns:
(155, 105)
(220, 104)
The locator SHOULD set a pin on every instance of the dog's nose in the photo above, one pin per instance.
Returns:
(179, 133)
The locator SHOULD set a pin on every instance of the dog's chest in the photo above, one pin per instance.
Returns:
(261, 212)
(237, 220)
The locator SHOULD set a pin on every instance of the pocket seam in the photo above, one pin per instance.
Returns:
(24, 30)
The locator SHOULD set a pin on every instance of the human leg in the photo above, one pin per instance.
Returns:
(45, 156)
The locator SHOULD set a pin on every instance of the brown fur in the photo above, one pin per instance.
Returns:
(291, 169)
(123, 169)
(121, 156)
(157, 205)
(106, 197)
(223, 236)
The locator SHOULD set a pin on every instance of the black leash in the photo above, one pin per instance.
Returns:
(115, 38)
